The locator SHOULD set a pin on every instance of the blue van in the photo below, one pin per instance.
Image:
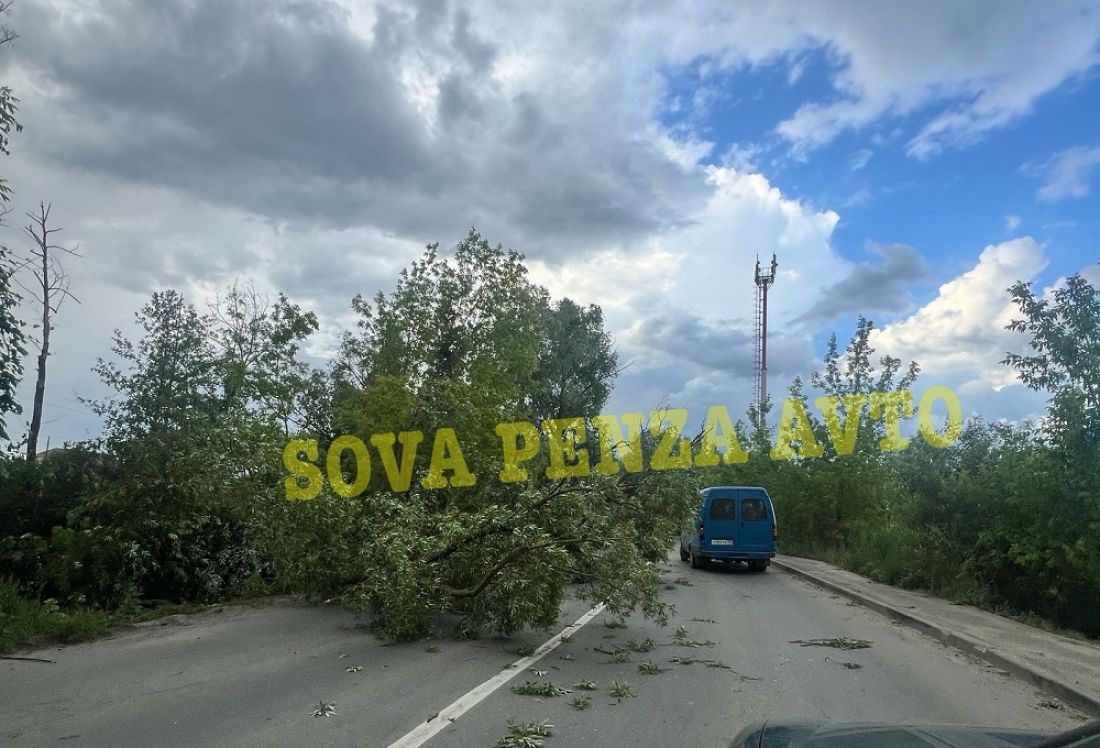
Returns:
(733, 523)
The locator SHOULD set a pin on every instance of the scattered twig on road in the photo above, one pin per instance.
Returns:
(840, 642)
(693, 643)
(531, 688)
(26, 659)
(714, 664)
(849, 665)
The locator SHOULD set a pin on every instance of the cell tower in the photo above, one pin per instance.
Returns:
(760, 352)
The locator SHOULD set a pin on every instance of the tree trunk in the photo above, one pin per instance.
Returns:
(40, 382)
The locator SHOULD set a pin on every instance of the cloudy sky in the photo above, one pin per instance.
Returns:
(908, 162)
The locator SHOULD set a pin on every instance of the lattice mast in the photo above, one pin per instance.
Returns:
(764, 280)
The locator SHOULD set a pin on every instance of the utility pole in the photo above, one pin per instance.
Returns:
(763, 281)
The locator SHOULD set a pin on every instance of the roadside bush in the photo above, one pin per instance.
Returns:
(25, 622)
(197, 559)
(39, 495)
(98, 567)
(887, 553)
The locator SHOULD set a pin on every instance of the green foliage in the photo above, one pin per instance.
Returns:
(1007, 517)
(576, 362)
(8, 106)
(12, 339)
(884, 552)
(39, 495)
(467, 342)
(526, 735)
(29, 623)
(620, 690)
(580, 703)
(163, 508)
(98, 566)
(539, 688)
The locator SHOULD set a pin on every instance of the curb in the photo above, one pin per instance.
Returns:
(1064, 691)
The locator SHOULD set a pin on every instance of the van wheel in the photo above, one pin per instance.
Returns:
(683, 553)
(758, 565)
(695, 564)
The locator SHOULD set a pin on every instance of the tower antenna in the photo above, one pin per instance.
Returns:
(763, 281)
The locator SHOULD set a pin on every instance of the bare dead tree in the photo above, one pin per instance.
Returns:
(50, 289)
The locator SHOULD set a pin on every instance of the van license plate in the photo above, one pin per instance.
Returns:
(721, 542)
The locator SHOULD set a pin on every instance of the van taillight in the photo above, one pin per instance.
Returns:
(700, 532)
(775, 533)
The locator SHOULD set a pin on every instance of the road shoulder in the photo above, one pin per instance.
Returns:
(1064, 667)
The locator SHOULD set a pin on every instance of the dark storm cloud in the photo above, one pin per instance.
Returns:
(234, 84)
(881, 287)
(718, 346)
(280, 109)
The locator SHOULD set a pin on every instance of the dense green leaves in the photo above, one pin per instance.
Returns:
(12, 339)
(466, 342)
(12, 342)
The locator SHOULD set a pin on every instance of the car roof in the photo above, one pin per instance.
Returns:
(741, 488)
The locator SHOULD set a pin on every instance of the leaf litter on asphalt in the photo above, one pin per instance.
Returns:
(324, 709)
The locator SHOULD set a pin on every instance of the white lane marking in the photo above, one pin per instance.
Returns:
(425, 731)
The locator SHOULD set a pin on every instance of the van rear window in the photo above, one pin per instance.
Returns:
(753, 509)
(721, 509)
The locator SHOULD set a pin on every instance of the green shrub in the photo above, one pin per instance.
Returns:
(25, 622)
(886, 553)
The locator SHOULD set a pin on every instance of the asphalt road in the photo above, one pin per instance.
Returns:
(252, 675)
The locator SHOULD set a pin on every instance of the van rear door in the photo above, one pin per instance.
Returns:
(720, 523)
(755, 522)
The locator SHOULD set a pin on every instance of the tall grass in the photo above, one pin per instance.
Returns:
(29, 623)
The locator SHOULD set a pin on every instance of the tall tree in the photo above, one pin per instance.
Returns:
(12, 342)
(467, 342)
(12, 339)
(50, 289)
(853, 373)
(257, 345)
(1064, 333)
(577, 362)
(8, 103)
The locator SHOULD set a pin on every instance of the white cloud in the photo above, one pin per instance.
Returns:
(961, 332)
(541, 127)
(1066, 174)
(974, 66)
(1012, 223)
(859, 159)
(689, 331)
